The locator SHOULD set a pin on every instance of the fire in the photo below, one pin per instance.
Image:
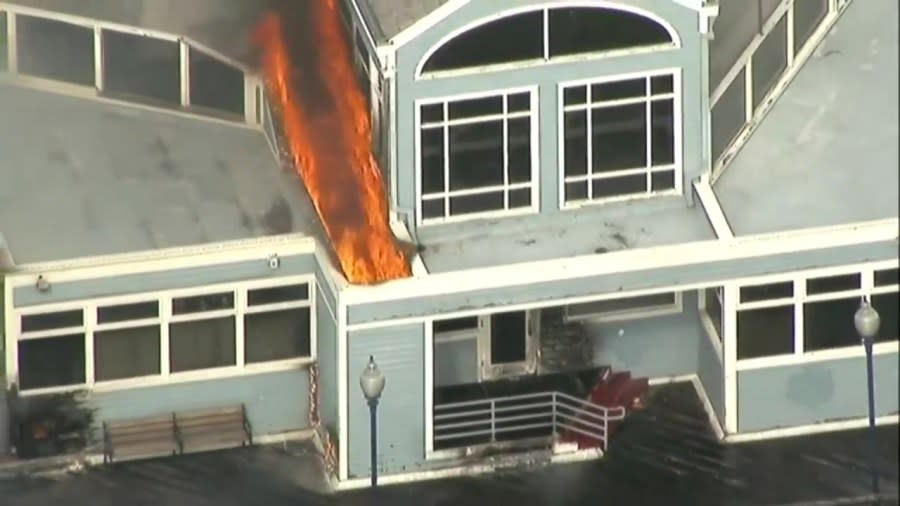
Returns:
(326, 130)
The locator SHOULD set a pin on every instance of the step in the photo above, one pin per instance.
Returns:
(626, 396)
(608, 390)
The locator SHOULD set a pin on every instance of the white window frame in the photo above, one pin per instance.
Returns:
(795, 60)
(166, 377)
(533, 114)
(797, 302)
(709, 327)
(545, 34)
(629, 314)
(649, 169)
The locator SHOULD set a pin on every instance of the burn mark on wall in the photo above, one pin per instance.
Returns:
(48, 425)
(278, 219)
(160, 148)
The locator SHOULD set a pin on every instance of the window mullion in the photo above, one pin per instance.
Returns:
(505, 151)
(240, 334)
(799, 304)
(165, 315)
(446, 111)
(648, 104)
(589, 133)
(90, 323)
(546, 16)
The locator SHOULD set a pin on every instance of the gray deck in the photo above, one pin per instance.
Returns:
(827, 153)
(82, 178)
(543, 237)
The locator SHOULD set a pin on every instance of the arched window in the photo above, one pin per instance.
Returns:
(548, 33)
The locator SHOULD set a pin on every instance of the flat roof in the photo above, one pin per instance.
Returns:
(394, 16)
(827, 152)
(82, 177)
(594, 230)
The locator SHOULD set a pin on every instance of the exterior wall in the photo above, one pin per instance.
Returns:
(814, 392)
(546, 77)
(653, 347)
(327, 359)
(711, 372)
(399, 352)
(456, 362)
(124, 284)
(275, 402)
(547, 292)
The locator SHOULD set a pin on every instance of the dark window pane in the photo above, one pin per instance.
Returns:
(476, 203)
(576, 191)
(767, 292)
(475, 107)
(769, 61)
(432, 113)
(201, 344)
(833, 284)
(577, 30)
(887, 305)
(432, 145)
(662, 113)
(619, 137)
(661, 181)
(141, 67)
(734, 28)
(276, 294)
(455, 324)
(575, 95)
(520, 198)
(576, 143)
(476, 155)
(126, 353)
(519, 145)
(433, 208)
(508, 339)
(765, 332)
(829, 324)
(49, 321)
(277, 335)
(216, 85)
(4, 43)
(661, 84)
(55, 50)
(615, 90)
(200, 303)
(619, 186)
(518, 102)
(886, 277)
(808, 15)
(126, 312)
(509, 39)
(728, 116)
(51, 362)
(625, 304)
(714, 309)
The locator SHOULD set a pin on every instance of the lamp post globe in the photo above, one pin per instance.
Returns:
(372, 380)
(866, 320)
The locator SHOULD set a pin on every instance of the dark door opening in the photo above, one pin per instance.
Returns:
(508, 337)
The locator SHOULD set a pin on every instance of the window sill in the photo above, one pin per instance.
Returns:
(817, 356)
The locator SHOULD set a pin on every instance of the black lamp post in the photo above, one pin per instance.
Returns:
(372, 383)
(866, 320)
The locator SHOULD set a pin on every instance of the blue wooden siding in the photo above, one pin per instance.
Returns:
(456, 362)
(399, 352)
(164, 280)
(617, 282)
(817, 392)
(546, 77)
(326, 348)
(325, 290)
(276, 402)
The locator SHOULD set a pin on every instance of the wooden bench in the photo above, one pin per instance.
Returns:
(213, 429)
(139, 438)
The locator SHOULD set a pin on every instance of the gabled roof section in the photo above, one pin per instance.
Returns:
(394, 16)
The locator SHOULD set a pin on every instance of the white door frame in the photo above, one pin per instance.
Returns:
(487, 370)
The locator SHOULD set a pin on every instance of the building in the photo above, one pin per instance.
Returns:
(705, 190)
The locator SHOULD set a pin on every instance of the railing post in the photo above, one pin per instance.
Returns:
(553, 404)
(493, 421)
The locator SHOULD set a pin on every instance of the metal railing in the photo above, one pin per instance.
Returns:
(543, 414)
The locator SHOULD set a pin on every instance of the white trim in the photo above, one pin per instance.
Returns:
(698, 252)
(12, 52)
(600, 4)
(676, 307)
(709, 327)
(184, 75)
(711, 415)
(713, 209)
(429, 387)
(98, 59)
(426, 23)
(343, 441)
(729, 325)
(815, 428)
(10, 329)
(811, 357)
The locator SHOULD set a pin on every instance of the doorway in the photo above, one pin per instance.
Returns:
(508, 344)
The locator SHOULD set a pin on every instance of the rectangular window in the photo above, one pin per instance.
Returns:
(841, 283)
(773, 291)
(769, 61)
(455, 325)
(808, 15)
(277, 335)
(765, 332)
(128, 312)
(713, 309)
(476, 155)
(215, 85)
(126, 353)
(729, 115)
(278, 294)
(51, 362)
(51, 321)
(887, 305)
(141, 68)
(886, 277)
(828, 324)
(55, 50)
(202, 303)
(4, 43)
(202, 344)
(625, 306)
(619, 138)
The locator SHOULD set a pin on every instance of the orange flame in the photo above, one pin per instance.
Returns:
(326, 127)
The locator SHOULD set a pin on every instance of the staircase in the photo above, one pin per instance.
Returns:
(611, 390)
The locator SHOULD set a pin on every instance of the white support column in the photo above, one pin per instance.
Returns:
(429, 386)
(748, 90)
(98, 58)
(729, 325)
(90, 323)
(343, 401)
(789, 19)
(799, 297)
(12, 52)
(252, 100)
(184, 62)
(165, 316)
(240, 305)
